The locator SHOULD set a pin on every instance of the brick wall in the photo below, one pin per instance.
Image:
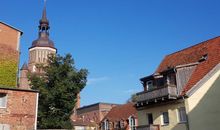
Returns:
(95, 112)
(20, 110)
(9, 55)
(9, 36)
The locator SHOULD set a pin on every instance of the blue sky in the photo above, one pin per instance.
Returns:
(118, 41)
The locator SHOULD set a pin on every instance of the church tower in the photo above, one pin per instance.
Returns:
(41, 47)
(39, 50)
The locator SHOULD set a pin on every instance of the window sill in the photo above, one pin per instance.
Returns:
(183, 122)
(164, 124)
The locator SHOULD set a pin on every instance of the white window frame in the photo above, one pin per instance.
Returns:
(106, 122)
(122, 124)
(4, 98)
(132, 123)
(180, 116)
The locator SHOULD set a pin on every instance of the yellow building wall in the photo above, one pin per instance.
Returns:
(157, 111)
(203, 106)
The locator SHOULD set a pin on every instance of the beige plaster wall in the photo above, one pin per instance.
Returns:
(157, 111)
(203, 106)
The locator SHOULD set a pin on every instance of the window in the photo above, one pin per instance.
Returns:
(118, 125)
(149, 85)
(106, 125)
(3, 97)
(165, 118)
(150, 118)
(182, 114)
(4, 127)
(122, 123)
(103, 126)
(132, 123)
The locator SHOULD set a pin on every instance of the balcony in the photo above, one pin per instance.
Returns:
(168, 91)
(149, 127)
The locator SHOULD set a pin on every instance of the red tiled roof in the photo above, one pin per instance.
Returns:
(121, 112)
(191, 55)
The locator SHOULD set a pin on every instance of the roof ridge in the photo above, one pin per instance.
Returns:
(11, 27)
(203, 42)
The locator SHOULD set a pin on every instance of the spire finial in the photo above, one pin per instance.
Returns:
(44, 23)
(44, 15)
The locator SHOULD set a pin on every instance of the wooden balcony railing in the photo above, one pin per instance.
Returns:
(169, 91)
(148, 127)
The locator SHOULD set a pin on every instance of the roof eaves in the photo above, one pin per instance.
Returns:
(12, 27)
(18, 89)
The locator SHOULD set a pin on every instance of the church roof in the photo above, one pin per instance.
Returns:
(43, 40)
(44, 19)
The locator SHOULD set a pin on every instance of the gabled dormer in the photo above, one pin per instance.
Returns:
(166, 85)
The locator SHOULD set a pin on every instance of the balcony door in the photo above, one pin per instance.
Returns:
(150, 85)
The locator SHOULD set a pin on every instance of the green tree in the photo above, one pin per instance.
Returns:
(59, 85)
(132, 99)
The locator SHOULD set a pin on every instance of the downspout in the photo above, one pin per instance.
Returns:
(19, 53)
(36, 111)
(187, 119)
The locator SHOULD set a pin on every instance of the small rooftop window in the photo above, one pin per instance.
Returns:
(203, 58)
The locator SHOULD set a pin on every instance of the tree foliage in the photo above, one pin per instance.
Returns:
(8, 67)
(59, 85)
(132, 99)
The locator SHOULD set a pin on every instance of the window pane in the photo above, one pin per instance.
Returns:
(149, 85)
(150, 118)
(182, 114)
(165, 118)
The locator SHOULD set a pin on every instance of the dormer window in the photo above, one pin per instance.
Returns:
(203, 58)
(132, 123)
(149, 85)
(106, 125)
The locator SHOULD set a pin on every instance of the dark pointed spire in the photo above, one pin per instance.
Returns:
(44, 15)
(44, 23)
(43, 39)
(24, 66)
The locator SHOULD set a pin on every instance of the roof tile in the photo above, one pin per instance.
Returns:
(194, 54)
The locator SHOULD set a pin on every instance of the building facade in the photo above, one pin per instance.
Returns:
(121, 117)
(9, 54)
(18, 109)
(91, 115)
(182, 94)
